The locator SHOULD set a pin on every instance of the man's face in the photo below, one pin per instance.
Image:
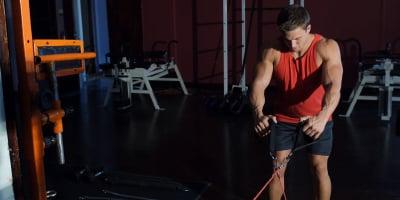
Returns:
(296, 39)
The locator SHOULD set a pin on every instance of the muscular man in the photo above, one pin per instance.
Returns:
(306, 70)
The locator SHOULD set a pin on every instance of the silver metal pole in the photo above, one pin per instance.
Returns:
(77, 9)
(54, 80)
(291, 2)
(225, 39)
(60, 145)
(60, 149)
(243, 78)
(302, 3)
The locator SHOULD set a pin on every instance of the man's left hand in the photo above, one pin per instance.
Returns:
(314, 126)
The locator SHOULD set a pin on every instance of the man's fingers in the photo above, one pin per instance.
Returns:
(264, 123)
(307, 126)
(262, 127)
(304, 118)
(311, 132)
(274, 119)
(314, 134)
(259, 128)
(308, 132)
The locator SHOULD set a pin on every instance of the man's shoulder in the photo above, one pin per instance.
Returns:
(326, 46)
(326, 43)
(271, 54)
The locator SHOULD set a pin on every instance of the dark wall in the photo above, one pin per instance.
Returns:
(374, 23)
(169, 20)
(43, 19)
(125, 26)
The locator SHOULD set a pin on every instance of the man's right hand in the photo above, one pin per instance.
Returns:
(262, 124)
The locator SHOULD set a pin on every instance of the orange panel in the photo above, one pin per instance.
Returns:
(38, 43)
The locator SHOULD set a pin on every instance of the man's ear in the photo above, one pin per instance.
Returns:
(308, 28)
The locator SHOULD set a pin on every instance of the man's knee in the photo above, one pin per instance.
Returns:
(320, 166)
(320, 170)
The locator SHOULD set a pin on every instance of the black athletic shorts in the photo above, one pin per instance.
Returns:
(286, 136)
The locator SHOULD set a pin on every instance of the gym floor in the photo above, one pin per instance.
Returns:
(188, 141)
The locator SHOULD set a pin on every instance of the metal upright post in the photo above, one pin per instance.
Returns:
(302, 3)
(291, 2)
(195, 44)
(31, 125)
(243, 78)
(225, 41)
(77, 9)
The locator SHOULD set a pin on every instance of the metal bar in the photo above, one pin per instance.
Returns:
(151, 93)
(225, 45)
(60, 149)
(195, 43)
(59, 141)
(216, 56)
(367, 98)
(395, 98)
(54, 81)
(243, 77)
(233, 40)
(31, 136)
(55, 42)
(247, 41)
(77, 10)
(66, 57)
(180, 79)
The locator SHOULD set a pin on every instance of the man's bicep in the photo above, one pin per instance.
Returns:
(264, 69)
(263, 73)
(332, 68)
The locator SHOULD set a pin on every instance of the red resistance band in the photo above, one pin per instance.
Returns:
(279, 166)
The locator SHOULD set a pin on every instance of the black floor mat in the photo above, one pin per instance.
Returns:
(121, 185)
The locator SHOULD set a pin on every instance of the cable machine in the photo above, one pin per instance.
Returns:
(38, 60)
(244, 46)
(226, 48)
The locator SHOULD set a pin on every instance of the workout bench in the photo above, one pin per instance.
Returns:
(137, 78)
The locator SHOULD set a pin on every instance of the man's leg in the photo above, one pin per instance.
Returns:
(322, 181)
(275, 189)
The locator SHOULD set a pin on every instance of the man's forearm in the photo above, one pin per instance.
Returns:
(257, 100)
(330, 101)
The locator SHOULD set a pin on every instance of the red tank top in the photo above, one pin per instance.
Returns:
(299, 85)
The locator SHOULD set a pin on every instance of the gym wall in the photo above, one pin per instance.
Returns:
(374, 23)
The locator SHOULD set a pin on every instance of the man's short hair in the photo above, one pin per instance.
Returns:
(292, 17)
